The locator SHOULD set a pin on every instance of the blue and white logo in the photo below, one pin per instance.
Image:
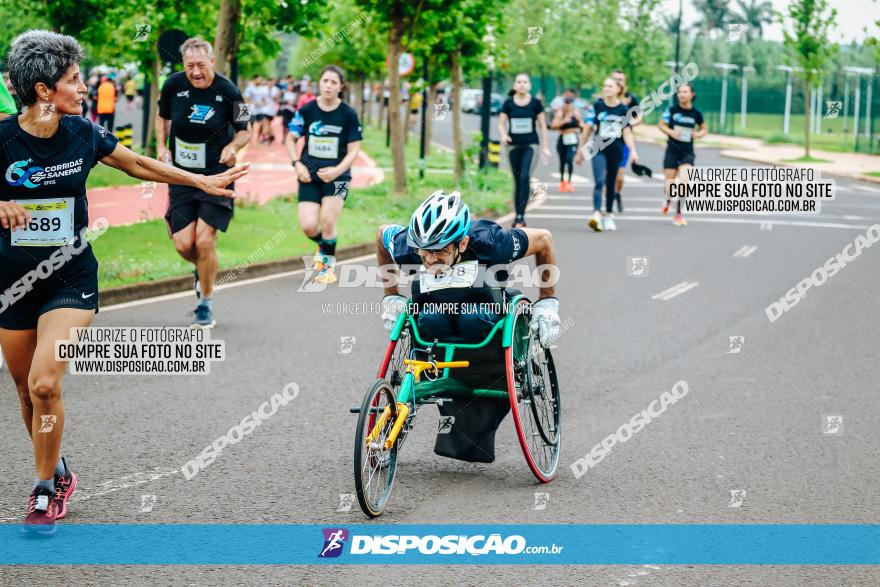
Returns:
(17, 175)
(201, 114)
(334, 540)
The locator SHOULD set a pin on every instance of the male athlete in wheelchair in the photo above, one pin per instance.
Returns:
(461, 314)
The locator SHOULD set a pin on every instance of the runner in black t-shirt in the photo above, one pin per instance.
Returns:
(611, 135)
(324, 140)
(682, 123)
(197, 114)
(48, 274)
(522, 127)
(568, 121)
(629, 100)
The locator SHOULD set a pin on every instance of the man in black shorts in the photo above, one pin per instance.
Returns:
(197, 115)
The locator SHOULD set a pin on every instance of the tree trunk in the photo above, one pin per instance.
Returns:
(382, 108)
(397, 128)
(429, 117)
(152, 103)
(457, 153)
(356, 96)
(368, 112)
(807, 104)
(226, 39)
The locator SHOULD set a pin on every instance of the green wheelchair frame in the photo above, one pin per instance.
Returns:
(389, 407)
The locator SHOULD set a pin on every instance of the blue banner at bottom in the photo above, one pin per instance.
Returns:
(613, 544)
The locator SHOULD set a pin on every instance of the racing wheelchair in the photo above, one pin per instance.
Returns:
(507, 369)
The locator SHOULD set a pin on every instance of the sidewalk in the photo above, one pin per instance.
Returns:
(270, 176)
(854, 165)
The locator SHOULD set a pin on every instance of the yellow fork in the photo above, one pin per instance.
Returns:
(374, 433)
(402, 413)
(402, 409)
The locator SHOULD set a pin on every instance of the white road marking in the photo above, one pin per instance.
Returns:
(111, 486)
(237, 283)
(745, 250)
(630, 179)
(708, 219)
(766, 226)
(864, 188)
(588, 200)
(675, 290)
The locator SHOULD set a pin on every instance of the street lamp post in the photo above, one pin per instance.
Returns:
(845, 100)
(424, 113)
(859, 72)
(870, 84)
(725, 67)
(485, 113)
(787, 118)
(678, 36)
(745, 95)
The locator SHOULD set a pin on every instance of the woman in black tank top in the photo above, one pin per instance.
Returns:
(567, 121)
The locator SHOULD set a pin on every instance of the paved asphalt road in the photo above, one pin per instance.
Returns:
(751, 421)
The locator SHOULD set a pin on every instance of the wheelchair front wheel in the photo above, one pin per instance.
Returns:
(375, 465)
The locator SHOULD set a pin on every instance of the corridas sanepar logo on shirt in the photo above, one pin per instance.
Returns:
(32, 177)
(318, 128)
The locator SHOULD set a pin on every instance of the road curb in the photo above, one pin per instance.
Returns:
(171, 285)
(755, 159)
(161, 287)
(728, 151)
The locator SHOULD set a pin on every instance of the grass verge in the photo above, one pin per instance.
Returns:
(143, 252)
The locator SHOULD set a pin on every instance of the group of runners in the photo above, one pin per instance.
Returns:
(607, 124)
(48, 273)
(272, 98)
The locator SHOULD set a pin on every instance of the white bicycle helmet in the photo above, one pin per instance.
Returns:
(438, 221)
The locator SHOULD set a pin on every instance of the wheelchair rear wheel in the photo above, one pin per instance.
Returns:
(534, 397)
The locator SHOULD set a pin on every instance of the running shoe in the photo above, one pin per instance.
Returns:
(665, 208)
(570, 186)
(595, 221)
(318, 263)
(563, 186)
(326, 275)
(64, 488)
(196, 285)
(204, 317)
(619, 201)
(41, 512)
(609, 224)
(679, 221)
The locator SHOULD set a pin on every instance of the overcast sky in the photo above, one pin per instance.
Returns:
(852, 17)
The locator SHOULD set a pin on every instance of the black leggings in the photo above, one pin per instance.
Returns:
(566, 158)
(522, 161)
(613, 157)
